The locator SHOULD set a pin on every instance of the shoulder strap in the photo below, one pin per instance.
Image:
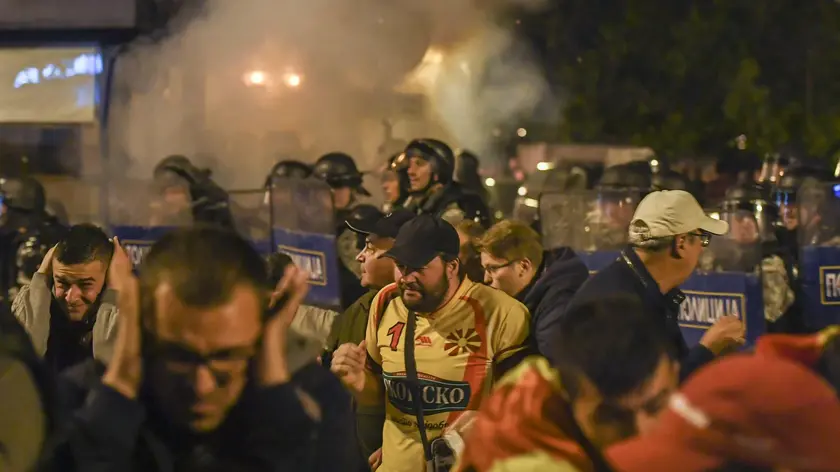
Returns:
(415, 388)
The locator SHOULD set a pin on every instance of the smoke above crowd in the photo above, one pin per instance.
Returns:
(241, 85)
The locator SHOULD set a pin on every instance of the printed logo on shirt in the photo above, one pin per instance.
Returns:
(439, 396)
(462, 340)
(423, 341)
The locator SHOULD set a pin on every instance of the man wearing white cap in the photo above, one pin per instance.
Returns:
(667, 234)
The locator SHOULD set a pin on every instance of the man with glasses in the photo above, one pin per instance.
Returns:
(205, 373)
(667, 234)
(516, 263)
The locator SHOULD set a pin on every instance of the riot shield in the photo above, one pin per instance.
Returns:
(818, 234)
(593, 223)
(252, 218)
(140, 212)
(302, 226)
(728, 281)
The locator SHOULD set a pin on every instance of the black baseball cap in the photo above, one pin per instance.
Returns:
(384, 226)
(422, 239)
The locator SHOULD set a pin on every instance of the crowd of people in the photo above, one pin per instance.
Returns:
(470, 347)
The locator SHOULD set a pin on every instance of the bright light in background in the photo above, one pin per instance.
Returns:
(292, 80)
(545, 165)
(522, 132)
(714, 215)
(532, 202)
(490, 182)
(654, 163)
(522, 191)
(255, 78)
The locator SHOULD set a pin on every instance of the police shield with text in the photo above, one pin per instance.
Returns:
(819, 252)
(339, 172)
(303, 227)
(431, 165)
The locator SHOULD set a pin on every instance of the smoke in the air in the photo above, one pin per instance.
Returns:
(246, 83)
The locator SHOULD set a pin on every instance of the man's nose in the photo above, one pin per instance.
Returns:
(204, 382)
(487, 278)
(73, 293)
(360, 257)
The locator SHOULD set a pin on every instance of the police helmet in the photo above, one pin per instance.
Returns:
(338, 170)
(398, 167)
(749, 200)
(670, 180)
(25, 194)
(290, 169)
(29, 256)
(438, 153)
(630, 176)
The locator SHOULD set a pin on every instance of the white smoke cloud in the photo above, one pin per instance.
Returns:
(251, 81)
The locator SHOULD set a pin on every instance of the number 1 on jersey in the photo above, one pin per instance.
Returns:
(396, 332)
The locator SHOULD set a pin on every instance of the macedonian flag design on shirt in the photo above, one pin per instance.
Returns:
(455, 349)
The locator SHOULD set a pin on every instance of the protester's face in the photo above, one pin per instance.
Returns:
(77, 286)
(391, 187)
(690, 246)
(606, 421)
(377, 271)
(419, 173)
(200, 356)
(423, 290)
(505, 275)
(342, 197)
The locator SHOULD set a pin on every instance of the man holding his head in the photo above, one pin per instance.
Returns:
(204, 370)
(668, 233)
(68, 309)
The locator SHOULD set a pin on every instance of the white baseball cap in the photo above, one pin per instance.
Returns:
(673, 212)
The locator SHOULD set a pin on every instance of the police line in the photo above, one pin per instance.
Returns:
(312, 252)
(709, 296)
(819, 272)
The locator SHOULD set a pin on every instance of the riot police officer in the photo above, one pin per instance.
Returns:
(431, 166)
(752, 244)
(466, 174)
(27, 232)
(189, 191)
(395, 184)
(339, 171)
(619, 190)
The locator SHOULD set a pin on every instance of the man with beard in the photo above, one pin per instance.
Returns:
(435, 340)
(67, 309)
(545, 281)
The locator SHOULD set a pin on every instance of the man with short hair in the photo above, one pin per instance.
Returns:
(515, 262)
(668, 233)
(434, 338)
(202, 373)
(607, 385)
(350, 326)
(68, 309)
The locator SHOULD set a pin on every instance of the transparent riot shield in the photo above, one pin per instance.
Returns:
(252, 218)
(729, 279)
(592, 223)
(140, 212)
(302, 226)
(818, 234)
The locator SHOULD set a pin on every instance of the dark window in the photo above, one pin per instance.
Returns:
(52, 150)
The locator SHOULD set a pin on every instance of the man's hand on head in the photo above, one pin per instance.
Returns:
(46, 265)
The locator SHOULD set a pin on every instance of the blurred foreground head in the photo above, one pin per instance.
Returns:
(203, 291)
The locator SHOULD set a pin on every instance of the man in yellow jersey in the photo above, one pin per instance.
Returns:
(462, 336)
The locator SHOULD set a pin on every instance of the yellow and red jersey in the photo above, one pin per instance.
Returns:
(456, 349)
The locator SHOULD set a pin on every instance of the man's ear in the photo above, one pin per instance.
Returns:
(526, 264)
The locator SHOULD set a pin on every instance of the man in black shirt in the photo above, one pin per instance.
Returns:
(667, 234)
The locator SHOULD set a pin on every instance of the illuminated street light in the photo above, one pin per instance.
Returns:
(255, 78)
(490, 182)
(292, 80)
(522, 132)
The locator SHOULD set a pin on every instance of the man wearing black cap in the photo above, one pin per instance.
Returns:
(376, 272)
(460, 337)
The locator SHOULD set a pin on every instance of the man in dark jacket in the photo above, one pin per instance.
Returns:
(667, 234)
(515, 262)
(202, 375)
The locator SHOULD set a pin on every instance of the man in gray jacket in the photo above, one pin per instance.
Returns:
(67, 309)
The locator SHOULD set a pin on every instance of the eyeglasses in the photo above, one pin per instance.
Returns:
(223, 365)
(705, 238)
(492, 269)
